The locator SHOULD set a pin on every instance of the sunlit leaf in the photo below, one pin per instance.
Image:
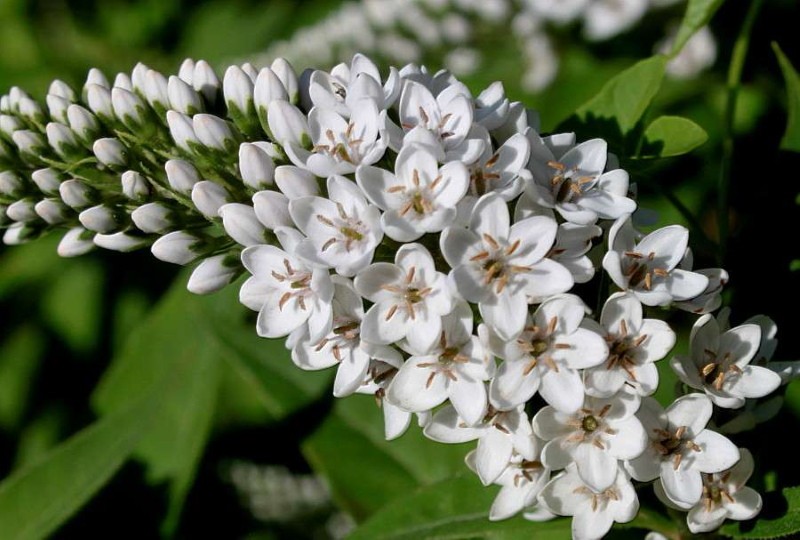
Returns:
(791, 138)
(669, 136)
(456, 508)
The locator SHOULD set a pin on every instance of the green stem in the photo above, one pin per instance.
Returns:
(735, 69)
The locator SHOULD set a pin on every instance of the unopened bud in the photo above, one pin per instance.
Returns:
(255, 166)
(182, 97)
(22, 210)
(156, 89)
(242, 225)
(63, 140)
(83, 123)
(288, 124)
(31, 145)
(63, 90)
(238, 89)
(9, 124)
(12, 186)
(288, 76)
(30, 109)
(272, 209)
(129, 108)
(76, 194)
(95, 76)
(124, 241)
(295, 182)
(205, 81)
(181, 175)
(111, 153)
(208, 197)
(214, 273)
(213, 132)
(268, 88)
(122, 80)
(135, 186)
(52, 211)
(180, 127)
(155, 217)
(101, 218)
(186, 71)
(57, 106)
(19, 233)
(99, 101)
(76, 242)
(47, 180)
(251, 72)
(138, 76)
(179, 247)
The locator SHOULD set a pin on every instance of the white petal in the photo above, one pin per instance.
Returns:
(536, 235)
(591, 524)
(414, 390)
(490, 216)
(371, 281)
(700, 521)
(587, 349)
(469, 399)
(505, 313)
(376, 329)
(746, 505)
(509, 501)
(683, 486)
(668, 243)
(351, 373)
(550, 424)
(492, 455)
(683, 285)
(511, 386)
(756, 382)
(275, 321)
(629, 441)
(447, 427)
(458, 245)
(563, 389)
(395, 420)
(692, 412)
(717, 452)
(375, 182)
(619, 307)
(596, 467)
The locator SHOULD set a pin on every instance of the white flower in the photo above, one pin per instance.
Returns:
(286, 291)
(521, 481)
(546, 357)
(453, 369)
(593, 511)
(498, 266)
(680, 448)
(342, 88)
(410, 297)
(420, 197)
(634, 344)
(719, 363)
(384, 364)
(500, 435)
(571, 180)
(342, 231)
(594, 437)
(342, 345)
(500, 171)
(725, 496)
(339, 146)
(711, 298)
(648, 267)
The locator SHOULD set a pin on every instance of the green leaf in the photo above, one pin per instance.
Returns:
(20, 356)
(39, 498)
(619, 106)
(28, 263)
(786, 526)
(698, 14)
(669, 136)
(791, 138)
(456, 508)
(366, 472)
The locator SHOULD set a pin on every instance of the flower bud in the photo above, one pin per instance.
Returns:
(9, 124)
(63, 90)
(52, 211)
(288, 77)
(135, 186)
(30, 109)
(179, 247)
(12, 186)
(255, 166)
(47, 180)
(268, 88)
(238, 90)
(128, 108)
(155, 217)
(138, 76)
(76, 242)
(208, 197)
(111, 153)
(101, 218)
(83, 123)
(241, 224)
(76, 194)
(121, 241)
(181, 175)
(156, 90)
(272, 209)
(57, 106)
(19, 233)
(288, 124)
(205, 81)
(214, 273)
(182, 97)
(95, 76)
(31, 145)
(180, 127)
(251, 72)
(99, 100)
(62, 140)
(5, 104)
(22, 210)
(186, 71)
(213, 132)
(295, 182)
(122, 80)
(15, 96)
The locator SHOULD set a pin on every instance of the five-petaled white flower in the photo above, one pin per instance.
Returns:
(453, 369)
(410, 297)
(342, 231)
(499, 266)
(546, 357)
(595, 437)
(681, 448)
(342, 89)
(574, 184)
(719, 363)
(285, 290)
(594, 512)
(648, 267)
(634, 344)
(420, 197)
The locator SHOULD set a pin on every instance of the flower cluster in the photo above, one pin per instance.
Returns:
(403, 31)
(425, 243)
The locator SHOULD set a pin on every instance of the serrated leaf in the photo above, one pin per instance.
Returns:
(455, 508)
(785, 526)
(791, 137)
(39, 498)
(698, 14)
(669, 136)
(615, 111)
(366, 472)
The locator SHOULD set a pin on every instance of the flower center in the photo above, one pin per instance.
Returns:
(418, 197)
(638, 270)
(342, 148)
(589, 423)
(622, 349)
(349, 229)
(673, 445)
(715, 371)
(493, 264)
(299, 284)
(564, 186)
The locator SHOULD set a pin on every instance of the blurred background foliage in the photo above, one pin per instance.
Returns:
(234, 430)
